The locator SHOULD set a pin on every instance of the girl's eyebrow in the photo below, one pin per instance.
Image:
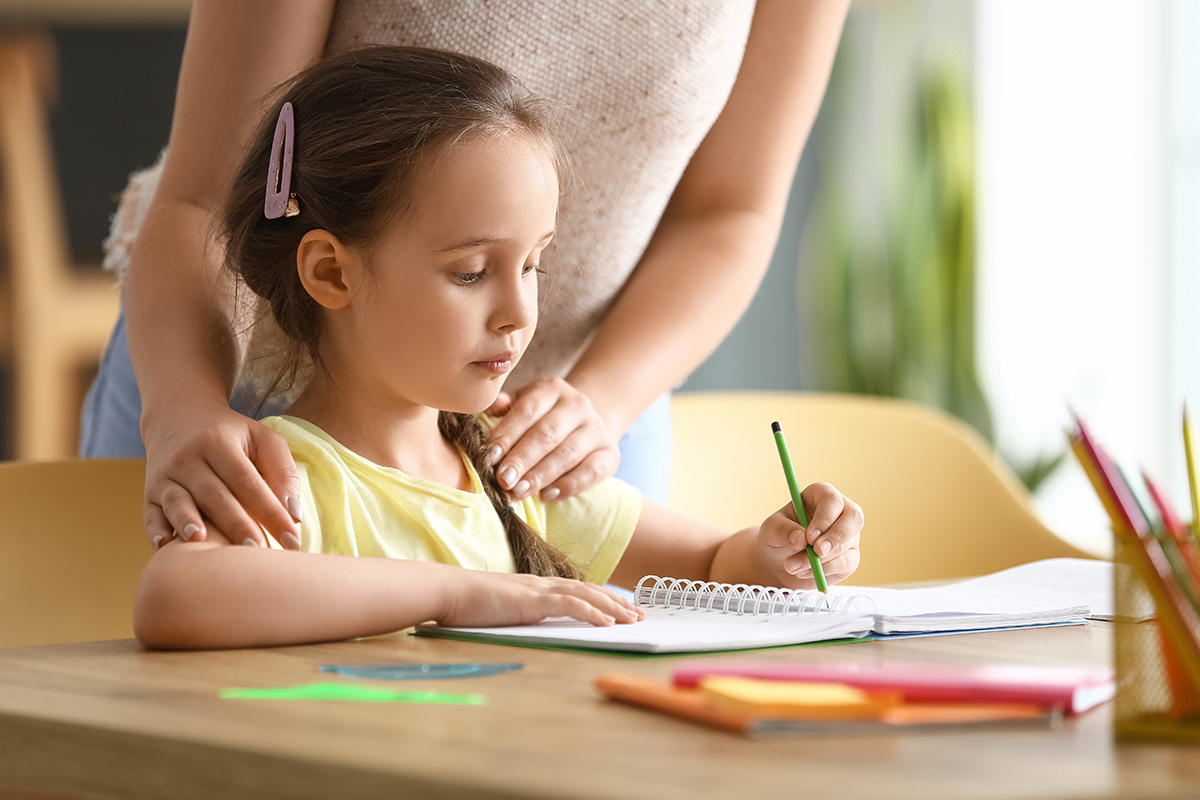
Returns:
(483, 241)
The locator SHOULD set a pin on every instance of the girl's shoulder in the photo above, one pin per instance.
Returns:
(311, 446)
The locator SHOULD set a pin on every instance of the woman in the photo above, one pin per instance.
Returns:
(685, 122)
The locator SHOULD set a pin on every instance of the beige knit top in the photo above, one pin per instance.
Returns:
(642, 82)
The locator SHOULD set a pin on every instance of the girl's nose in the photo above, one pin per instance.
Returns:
(517, 305)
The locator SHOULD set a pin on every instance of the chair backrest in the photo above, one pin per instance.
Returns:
(938, 502)
(71, 550)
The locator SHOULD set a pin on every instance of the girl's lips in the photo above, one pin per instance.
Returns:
(499, 364)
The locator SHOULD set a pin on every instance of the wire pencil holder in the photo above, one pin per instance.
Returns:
(1157, 699)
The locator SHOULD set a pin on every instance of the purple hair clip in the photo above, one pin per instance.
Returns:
(280, 200)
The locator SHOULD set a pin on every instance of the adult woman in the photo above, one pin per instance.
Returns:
(684, 176)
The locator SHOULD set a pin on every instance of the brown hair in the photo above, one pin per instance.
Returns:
(366, 123)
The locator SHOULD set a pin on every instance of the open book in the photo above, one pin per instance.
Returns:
(685, 616)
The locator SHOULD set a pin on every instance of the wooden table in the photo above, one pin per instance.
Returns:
(108, 719)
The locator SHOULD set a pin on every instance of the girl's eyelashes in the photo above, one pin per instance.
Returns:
(465, 278)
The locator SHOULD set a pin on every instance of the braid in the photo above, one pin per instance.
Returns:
(532, 553)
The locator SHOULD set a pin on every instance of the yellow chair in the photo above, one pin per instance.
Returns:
(71, 550)
(938, 502)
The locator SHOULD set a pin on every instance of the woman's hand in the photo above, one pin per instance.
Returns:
(550, 439)
(835, 523)
(488, 599)
(225, 467)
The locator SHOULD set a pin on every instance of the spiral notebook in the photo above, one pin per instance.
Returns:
(690, 616)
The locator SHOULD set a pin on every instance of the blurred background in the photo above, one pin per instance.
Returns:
(994, 215)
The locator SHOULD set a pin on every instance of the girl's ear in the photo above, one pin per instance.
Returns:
(328, 269)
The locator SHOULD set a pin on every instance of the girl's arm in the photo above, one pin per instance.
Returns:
(212, 595)
(669, 545)
(201, 456)
(705, 261)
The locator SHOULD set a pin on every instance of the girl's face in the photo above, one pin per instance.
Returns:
(451, 301)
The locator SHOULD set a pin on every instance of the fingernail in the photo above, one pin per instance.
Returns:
(823, 548)
(521, 489)
(158, 541)
(813, 534)
(189, 530)
(507, 476)
(493, 454)
(294, 508)
(289, 541)
(550, 494)
(248, 542)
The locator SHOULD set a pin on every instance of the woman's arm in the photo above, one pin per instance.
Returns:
(212, 595)
(668, 544)
(201, 456)
(708, 254)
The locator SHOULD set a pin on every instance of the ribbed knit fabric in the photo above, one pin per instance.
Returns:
(640, 81)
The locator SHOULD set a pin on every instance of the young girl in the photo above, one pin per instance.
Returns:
(410, 194)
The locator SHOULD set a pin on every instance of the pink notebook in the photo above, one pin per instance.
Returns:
(1073, 689)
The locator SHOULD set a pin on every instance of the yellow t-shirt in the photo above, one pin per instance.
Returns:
(356, 507)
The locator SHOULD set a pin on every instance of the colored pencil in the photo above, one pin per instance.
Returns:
(798, 503)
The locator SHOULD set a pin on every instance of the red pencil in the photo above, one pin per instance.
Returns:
(1130, 515)
(1171, 521)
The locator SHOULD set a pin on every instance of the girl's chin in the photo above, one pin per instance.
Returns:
(474, 405)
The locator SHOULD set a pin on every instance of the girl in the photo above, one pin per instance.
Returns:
(410, 195)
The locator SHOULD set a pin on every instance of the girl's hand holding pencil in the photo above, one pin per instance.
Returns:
(835, 525)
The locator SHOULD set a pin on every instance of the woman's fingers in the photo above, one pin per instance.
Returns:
(213, 496)
(158, 529)
(552, 438)
(181, 513)
(549, 448)
(598, 466)
(235, 495)
(283, 517)
(528, 406)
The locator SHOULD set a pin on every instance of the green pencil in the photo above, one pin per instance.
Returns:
(798, 503)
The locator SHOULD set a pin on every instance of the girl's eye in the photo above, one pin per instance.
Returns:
(468, 277)
(528, 268)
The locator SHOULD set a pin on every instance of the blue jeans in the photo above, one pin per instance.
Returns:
(113, 408)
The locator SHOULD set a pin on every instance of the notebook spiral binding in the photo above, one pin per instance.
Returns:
(655, 592)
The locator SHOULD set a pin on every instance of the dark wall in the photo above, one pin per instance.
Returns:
(116, 91)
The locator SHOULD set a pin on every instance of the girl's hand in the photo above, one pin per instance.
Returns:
(489, 599)
(550, 440)
(835, 522)
(225, 467)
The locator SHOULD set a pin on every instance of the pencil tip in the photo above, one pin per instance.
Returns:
(776, 428)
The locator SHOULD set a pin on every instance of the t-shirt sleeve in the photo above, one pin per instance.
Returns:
(594, 528)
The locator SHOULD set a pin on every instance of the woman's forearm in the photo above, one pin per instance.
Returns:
(715, 240)
(693, 284)
(180, 319)
(178, 307)
(200, 596)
